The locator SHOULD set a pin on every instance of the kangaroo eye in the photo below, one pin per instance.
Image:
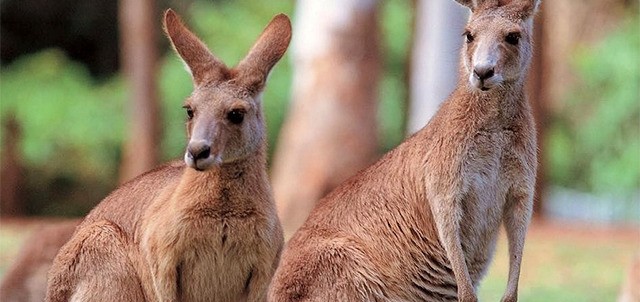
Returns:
(512, 38)
(189, 112)
(469, 37)
(235, 116)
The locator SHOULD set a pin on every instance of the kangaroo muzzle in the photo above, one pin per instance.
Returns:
(202, 153)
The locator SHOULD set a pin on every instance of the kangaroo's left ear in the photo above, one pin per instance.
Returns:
(471, 4)
(524, 9)
(253, 70)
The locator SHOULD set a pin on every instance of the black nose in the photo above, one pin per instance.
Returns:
(199, 150)
(483, 73)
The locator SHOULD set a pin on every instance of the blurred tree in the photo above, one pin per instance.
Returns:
(331, 130)
(139, 58)
(538, 98)
(436, 47)
(11, 173)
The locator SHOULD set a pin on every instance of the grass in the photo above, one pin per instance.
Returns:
(12, 235)
(566, 263)
(561, 262)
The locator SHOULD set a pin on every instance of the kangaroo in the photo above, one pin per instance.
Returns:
(202, 229)
(422, 223)
(26, 279)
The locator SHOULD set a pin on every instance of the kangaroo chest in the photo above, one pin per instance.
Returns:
(218, 264)
(484, 168)
(212, 248)
(489, 171)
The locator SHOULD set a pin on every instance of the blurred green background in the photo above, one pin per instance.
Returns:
(72, 127)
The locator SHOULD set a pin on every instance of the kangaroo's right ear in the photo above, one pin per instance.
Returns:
(201, 63)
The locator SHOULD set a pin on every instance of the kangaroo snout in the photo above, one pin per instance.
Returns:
(483, 72)
(198, 155)
(199, 150)
(484, 76)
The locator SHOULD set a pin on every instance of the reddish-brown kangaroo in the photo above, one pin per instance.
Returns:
(422, 223)
(206, 230)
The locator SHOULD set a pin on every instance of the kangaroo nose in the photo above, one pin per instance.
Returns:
(199, 150)
(483, 72)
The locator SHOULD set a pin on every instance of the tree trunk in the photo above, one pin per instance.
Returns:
(331, 130)
(436, 50)
(538, 97)
(139, 58)
(11, 173)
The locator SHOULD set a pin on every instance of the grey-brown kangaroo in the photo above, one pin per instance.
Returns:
(421, 224)
(206, 230)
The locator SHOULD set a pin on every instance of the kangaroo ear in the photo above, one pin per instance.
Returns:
(529, 8)
(522, 8)
(471, 4)
(201, 63)
(265, 53)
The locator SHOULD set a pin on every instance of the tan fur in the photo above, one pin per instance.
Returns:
(26, 279)
(421, 224)
(204, 231)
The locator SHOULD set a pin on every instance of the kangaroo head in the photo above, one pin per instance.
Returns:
(224, 112)
(498, 45)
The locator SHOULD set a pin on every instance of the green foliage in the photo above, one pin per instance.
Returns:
(61, 110)
(594, 144)
(396, 29)
(71, 130)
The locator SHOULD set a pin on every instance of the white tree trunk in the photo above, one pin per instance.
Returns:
(436, 47)
(330, 132)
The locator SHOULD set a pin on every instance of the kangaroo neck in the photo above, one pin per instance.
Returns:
(500, 104)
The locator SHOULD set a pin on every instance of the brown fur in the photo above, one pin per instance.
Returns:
(421, 224)
(26, 279)
(203, 231)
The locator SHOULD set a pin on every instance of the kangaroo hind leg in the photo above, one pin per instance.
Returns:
(95, 266)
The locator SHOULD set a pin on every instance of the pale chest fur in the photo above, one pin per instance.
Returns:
(220, 259)
(491, 167)
(215, 246)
